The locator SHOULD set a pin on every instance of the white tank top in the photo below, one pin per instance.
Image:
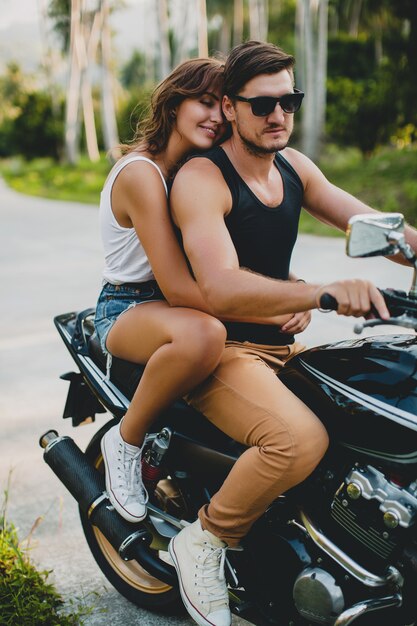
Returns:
(124, 257)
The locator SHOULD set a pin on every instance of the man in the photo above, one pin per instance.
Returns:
(237, 207)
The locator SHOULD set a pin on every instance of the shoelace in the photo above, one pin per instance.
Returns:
(211, 576)
(131, 466)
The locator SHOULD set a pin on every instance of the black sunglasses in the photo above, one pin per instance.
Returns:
(265, 105)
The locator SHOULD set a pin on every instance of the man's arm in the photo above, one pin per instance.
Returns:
(329, 203)
(200, 199)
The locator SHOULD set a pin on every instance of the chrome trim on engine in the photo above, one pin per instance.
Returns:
(367, 578)
(375, 604)
(392, 499)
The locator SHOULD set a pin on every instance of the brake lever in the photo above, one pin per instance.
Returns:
(402, 320)
(328, 303)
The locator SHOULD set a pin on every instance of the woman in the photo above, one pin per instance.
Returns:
(144, 264)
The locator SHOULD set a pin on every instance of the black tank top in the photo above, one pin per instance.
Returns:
(264, 237)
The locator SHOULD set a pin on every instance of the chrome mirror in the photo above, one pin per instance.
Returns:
(369, 234)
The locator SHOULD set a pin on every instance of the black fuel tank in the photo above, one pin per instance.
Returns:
(365, 392)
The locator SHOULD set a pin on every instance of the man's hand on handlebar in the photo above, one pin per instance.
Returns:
(354, 297)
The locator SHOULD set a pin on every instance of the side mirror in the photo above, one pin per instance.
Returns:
(369, 234)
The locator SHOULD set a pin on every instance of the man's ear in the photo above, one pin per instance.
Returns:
(228, 109)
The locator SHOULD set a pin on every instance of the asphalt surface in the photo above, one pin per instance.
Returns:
(50, 261)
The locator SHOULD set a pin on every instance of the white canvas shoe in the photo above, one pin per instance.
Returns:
(124, 476)
(199, 557)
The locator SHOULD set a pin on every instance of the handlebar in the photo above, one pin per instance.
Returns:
(402, 308)
(328, 303)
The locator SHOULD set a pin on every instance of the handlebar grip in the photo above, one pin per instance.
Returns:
(328, 303)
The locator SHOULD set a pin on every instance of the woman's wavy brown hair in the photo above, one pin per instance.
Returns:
(191, 79)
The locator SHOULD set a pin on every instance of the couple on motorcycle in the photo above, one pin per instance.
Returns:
(217, 336)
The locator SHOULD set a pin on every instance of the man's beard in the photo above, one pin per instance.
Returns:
(256, 150)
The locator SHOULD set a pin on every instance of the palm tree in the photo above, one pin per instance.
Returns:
(108, 109)
(163, 38)
(84, 29)
(311, 46)
(258, 19)
(238, 16)
(72, 127)
(202, 28)
(88, 46)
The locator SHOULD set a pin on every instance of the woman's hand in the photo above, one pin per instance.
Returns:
(297, 323)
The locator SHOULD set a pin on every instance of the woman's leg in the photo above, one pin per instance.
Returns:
(180, 347)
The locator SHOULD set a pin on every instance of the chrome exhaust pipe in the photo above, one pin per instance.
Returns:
(358, 610)
(87, 486)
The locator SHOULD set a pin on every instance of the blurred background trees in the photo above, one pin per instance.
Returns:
(356, 61)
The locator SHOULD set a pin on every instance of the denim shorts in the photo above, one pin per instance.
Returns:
(116, 299)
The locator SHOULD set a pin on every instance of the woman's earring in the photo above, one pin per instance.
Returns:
(173, 114)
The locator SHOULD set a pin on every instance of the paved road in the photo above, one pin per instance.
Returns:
(50, 260)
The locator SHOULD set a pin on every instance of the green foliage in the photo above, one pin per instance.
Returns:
(37, 131)
(281, 24)
(59, 11)
(133, 110)
(385, 182)
(350, 57)
(133, 72)
(26, 596)
(12, 85)
(359, 113)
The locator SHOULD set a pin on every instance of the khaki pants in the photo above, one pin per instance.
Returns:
(245, 399)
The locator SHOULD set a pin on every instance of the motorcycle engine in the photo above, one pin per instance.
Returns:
(317, 596)
(375, 512)
(369, 518)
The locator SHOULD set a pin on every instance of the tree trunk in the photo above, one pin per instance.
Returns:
(180, 14)
(237, 22)
(224, 37)
(49, 55)
(312, 28)
(149, 12)
(321, 86)
(86, 88)
(73, 89)
(202, 28)
(110, 135)
(258, 19)
(355, 17)
(379, 50)
(163, 39)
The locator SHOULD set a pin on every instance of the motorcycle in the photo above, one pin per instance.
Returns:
(338, 549)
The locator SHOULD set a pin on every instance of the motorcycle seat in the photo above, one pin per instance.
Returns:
(180, 416)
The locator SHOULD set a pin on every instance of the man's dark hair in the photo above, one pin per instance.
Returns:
(251, 59)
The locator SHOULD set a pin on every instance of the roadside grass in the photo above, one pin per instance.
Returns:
(49, 179)
(27, 598)
(385, 181)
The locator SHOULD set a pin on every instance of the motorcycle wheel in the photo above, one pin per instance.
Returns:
(128, 577)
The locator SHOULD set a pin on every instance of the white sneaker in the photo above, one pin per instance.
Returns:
(124, 476)
(199, 557)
